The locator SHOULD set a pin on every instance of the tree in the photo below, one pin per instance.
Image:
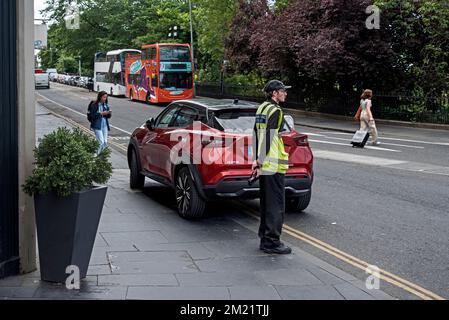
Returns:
(250, 17)
(316, 45)
(420, 40)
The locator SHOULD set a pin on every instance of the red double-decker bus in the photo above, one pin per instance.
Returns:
(161, 74)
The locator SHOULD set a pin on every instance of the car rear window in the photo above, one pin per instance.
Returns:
(237, 120)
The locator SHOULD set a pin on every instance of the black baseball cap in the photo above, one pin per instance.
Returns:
(275, 85)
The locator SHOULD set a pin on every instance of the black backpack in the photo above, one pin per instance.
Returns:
(90, 111)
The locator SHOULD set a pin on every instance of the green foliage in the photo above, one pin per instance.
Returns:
(67, 64)
(420, 39)
(66, 162)
(252, 79)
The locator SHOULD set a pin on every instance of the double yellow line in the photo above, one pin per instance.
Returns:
(343, 256)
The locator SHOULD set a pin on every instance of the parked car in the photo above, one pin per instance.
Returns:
(82, 83)
(223, 127)
(53, 77)
(41, 79)
(51, 73)
(66, 79)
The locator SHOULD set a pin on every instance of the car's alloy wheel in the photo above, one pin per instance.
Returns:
(189, 203)
(136, 179)
(298, 204)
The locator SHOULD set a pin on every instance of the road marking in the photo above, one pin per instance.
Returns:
(382, 162)
(345, 157)
(349, 145)
(358, 263)
(383, 143)
(395, 139)
(79, 113)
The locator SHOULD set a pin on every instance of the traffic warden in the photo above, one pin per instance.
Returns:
(270, 165)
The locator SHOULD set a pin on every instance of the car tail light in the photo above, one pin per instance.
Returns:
(302, 141)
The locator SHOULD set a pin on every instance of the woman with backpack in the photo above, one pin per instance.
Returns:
(99, 115)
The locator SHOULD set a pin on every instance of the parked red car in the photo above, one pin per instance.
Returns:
(202, 148)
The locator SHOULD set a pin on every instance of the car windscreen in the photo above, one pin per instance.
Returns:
(237, 120)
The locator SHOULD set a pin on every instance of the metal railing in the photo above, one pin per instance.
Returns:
(385, 106)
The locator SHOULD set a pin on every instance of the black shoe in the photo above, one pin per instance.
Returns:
(281, 249)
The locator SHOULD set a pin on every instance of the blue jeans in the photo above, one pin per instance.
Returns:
(102, 138)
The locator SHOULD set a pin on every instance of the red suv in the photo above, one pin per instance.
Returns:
(202, 148)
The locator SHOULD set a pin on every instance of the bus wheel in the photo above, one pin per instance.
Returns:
(148, 99)
(131, 95)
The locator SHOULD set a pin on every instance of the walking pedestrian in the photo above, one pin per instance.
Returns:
(366, 118)
(270, 165)
(101, 113)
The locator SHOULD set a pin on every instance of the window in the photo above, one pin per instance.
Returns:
(238, 121)
(175, 54)
(146, 54)
(100, 57)
(167, 117)
(176, 81)
(186, 116)
(153, 53)
(149, 54)
(102, 77)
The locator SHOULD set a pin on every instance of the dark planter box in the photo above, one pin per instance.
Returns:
(66, 230)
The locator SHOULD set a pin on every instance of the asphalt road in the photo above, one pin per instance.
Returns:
(385, 205)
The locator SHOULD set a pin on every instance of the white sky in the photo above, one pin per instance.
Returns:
(38, 5)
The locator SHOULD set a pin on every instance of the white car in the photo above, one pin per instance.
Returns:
(41, 79)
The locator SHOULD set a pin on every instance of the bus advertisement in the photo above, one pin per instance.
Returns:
(162, 74)
(109, 71)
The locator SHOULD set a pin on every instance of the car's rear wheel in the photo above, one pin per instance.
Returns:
(136, 179)
(298, 204)
(189, 203)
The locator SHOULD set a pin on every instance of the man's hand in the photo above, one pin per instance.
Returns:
(256, 168)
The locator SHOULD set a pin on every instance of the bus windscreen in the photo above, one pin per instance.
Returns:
(176, 81)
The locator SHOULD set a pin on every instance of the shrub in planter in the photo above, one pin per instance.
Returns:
(68, 205)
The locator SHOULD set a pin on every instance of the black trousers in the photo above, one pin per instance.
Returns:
(272, 208)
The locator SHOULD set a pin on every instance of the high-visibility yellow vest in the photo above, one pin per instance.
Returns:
(276, 160)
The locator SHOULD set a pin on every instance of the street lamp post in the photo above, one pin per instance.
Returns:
(79, 66)
(191, 44)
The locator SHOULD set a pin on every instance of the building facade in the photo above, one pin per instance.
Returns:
(17, 136)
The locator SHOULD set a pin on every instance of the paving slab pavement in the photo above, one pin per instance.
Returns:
(144, 250)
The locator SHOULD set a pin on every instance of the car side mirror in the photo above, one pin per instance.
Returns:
(290, 121)
(150, 124)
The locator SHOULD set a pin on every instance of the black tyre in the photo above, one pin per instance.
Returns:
(131, 98)
(136, 179)
(148, 98)
(298, 204)
(188, 201)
